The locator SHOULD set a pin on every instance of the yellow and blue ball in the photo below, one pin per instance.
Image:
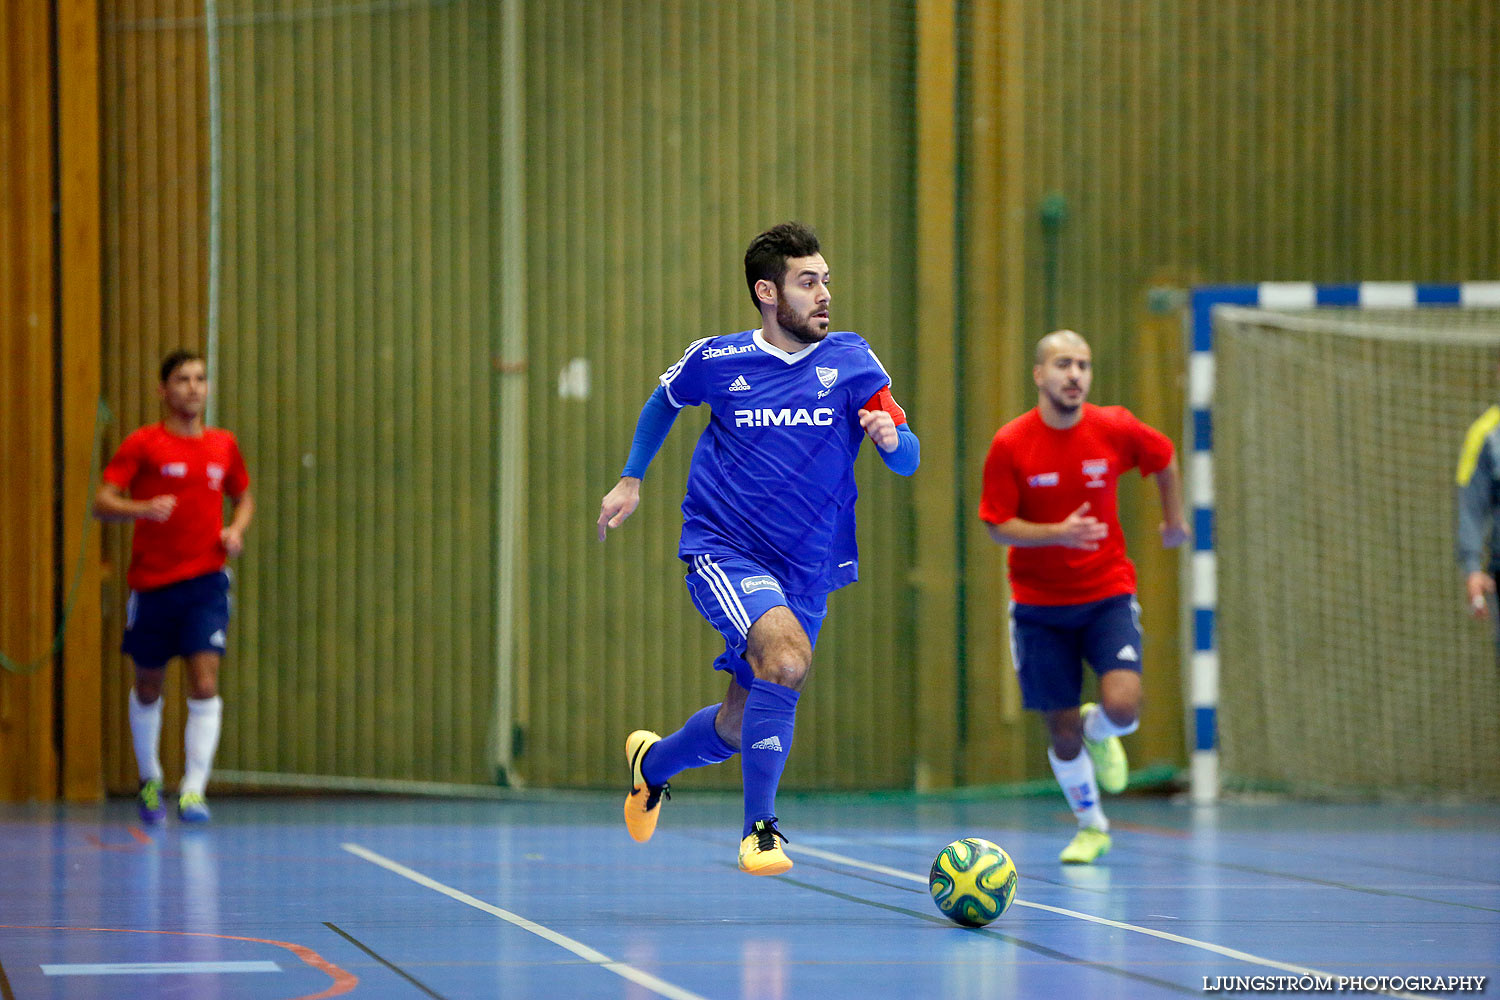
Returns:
(972, 881)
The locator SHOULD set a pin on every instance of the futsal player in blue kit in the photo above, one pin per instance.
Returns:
(767, 522)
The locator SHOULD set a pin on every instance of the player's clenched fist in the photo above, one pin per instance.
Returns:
(880, 427)
(159, 508)
(1081, 531)
(618, 504)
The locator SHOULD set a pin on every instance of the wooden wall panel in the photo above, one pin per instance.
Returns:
(78, 393)
(1248, 141)
(27, 439)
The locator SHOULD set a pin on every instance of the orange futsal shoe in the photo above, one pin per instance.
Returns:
(643, 804)
(759, 852)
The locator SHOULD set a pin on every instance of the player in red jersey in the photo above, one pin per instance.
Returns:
(171, 479)
(1050, 495)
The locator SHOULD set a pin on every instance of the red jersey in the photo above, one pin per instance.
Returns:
(198, 471)
(1041, 474)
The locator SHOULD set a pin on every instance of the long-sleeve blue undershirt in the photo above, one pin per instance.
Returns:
(658, 415)
(657, 418)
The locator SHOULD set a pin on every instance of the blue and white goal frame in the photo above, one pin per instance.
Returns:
(1203, 567)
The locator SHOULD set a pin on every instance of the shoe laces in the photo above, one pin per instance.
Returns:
(766, 833)
(655, 793)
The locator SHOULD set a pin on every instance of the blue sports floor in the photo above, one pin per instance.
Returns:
(306, 897)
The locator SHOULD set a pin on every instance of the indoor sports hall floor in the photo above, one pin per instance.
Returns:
(306, 897)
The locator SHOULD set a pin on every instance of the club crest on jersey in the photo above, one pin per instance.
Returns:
(1096, 469)
(827, 376)
(215, 475)
(174, 470)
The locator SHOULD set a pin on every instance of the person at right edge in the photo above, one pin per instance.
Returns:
(1049, 493)
(1478, 465)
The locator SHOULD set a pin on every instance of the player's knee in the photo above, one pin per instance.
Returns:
(1122, 711)
(787, 667)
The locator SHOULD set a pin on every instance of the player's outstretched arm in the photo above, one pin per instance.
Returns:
(1174, 527)
(656, 419)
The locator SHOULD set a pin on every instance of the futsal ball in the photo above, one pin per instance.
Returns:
(972, 881)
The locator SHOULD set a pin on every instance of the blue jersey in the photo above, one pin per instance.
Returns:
(772, 477)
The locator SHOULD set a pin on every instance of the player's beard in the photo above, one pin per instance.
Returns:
(794, 326)
(1061, 404)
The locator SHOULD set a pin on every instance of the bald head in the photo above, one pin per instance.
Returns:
(1059, 340)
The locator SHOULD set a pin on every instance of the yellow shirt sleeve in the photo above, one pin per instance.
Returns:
(1480, 429)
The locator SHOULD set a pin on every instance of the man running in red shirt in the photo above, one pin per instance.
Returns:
(1050, 495)
(171, 479)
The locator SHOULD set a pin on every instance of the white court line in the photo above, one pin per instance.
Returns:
(583, 951)
(156, 968)
(1218, 949)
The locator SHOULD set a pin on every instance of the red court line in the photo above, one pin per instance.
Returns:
(343, 981)
(135, 831)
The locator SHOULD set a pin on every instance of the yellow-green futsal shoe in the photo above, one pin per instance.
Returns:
(192, 807)
(1087, 846)
(148, 802)
(1111, 769)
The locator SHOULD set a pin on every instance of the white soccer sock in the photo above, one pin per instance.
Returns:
(145, 734)
(200, 740)
(1097, 725)
(1076, 777)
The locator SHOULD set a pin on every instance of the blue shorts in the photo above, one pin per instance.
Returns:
(732, 593)
(180, 619)
(1049, 643)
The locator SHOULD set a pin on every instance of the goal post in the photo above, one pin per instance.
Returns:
(1327, 647)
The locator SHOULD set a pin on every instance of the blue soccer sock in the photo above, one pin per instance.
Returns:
(696, 744)
(765, 740)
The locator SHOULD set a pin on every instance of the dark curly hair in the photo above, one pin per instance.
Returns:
(768, 253)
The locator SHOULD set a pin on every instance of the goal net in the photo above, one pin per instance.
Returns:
(1348, 664)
